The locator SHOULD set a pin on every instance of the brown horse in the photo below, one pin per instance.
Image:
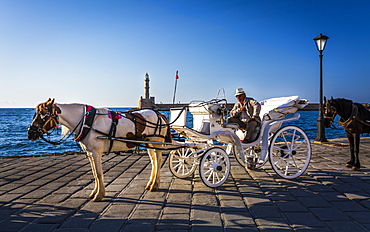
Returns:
(354, 118)
(89, 123)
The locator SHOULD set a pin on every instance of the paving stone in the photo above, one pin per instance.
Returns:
(202, 225)
(55, 198)
(205, 213)
(174, 222)
(7, 212)
(357, 196)
(291, 206)
(256, 200)
(80, 220)
(273, 224)
(344, 226)
(265, 211)
(280, 196)
(303, 220)
(10, 197)
(119, 211)
(106, 224)
(314, 201)
(15, 223)
(349, 206)
(179, 197)
(55, 217)
(176, 208)
(330, 214)
(138, 226)
(41, 227)
(238, 219)
(361, 217)
(301, 192)
(333, 196)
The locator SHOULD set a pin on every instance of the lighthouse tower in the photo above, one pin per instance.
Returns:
(147, 102)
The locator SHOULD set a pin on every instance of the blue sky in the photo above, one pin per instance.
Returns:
(97, 52)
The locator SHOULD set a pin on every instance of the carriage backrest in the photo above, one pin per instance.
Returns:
(278, 108)
(201, 117)
(178, 116)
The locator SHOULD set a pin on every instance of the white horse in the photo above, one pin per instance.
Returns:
(139, 125)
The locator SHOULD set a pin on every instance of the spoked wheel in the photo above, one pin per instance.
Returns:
(214, 167)
(183, 162)
(290, 152)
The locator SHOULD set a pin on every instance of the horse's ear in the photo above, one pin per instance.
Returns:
(50, 102)
(324, 99)
(332, 98)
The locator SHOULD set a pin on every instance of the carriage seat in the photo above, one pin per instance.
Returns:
(206, 128)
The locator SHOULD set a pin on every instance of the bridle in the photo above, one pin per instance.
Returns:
(47, 116)
(330, 113)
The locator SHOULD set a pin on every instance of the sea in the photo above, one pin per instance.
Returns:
(14, 123)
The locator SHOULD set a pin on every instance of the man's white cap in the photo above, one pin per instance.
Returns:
(239, 91)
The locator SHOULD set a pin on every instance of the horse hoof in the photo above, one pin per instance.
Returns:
(348, 165)
(153, 189)
(97, 198)
(355, 168)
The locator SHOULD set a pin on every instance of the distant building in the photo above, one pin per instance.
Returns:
(146, 102)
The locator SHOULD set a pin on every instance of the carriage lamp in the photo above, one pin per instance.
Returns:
(320, 42)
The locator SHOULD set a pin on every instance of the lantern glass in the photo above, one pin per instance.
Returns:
(320, 42)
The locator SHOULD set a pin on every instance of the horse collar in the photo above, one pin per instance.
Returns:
(88, 120)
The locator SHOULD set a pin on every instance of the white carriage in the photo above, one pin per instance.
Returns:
(210, 142)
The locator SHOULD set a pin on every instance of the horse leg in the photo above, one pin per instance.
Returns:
(156, 161)
(356, 165)
(99, 191)
(95, 190)
(351, 149)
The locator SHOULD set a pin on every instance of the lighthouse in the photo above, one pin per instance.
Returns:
(147, 102)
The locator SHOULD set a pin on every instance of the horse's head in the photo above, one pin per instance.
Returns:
(330, 111)
(45, 119)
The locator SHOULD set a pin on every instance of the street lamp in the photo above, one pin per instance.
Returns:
(320, 45)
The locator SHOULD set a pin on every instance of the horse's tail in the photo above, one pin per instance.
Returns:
(168, 136)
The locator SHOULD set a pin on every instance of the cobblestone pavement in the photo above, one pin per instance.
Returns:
(50, 193)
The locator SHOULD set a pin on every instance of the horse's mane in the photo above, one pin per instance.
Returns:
(360, 105)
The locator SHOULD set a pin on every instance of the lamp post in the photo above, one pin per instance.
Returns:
(320, 45)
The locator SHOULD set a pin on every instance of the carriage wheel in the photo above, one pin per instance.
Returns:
(290, 152)
(214, 167)
(183, 162)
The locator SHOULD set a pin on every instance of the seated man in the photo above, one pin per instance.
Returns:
(246, 114)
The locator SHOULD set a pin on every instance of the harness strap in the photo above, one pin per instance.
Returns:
(113, 129)
(349, 121)
(88, 120)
